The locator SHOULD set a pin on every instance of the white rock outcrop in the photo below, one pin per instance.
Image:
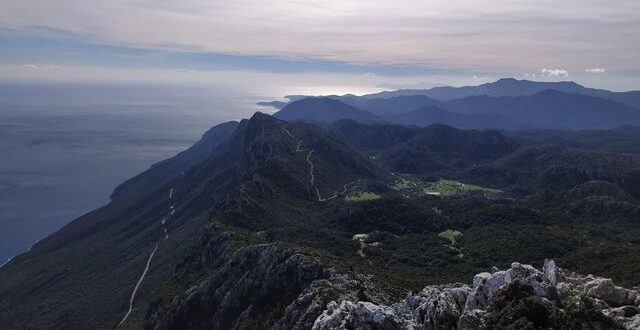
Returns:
(462, 307)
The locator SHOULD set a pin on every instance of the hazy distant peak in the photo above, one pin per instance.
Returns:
(323, 109)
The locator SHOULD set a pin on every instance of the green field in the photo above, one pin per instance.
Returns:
(402, 183)
(445, 188)
(363, 196)
(451, 235)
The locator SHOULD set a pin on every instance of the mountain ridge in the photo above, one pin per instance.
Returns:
(514, 87)
(287, 223)
(544, 109)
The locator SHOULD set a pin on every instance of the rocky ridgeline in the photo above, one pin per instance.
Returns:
(521, 297)
(269, 286)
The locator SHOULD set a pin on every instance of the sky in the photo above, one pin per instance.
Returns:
(322, 46)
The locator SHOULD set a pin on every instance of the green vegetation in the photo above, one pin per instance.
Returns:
(451, 235)
(403, 183)
(363, 196)
(412, 187)
(446, 188)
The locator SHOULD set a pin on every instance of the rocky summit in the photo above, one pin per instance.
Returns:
(521, 297)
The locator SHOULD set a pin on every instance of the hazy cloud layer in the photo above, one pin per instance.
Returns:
(479, 35)
(555, 72)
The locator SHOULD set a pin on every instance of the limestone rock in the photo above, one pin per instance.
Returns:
(486, 285)
(603, 288)
(552, 272)
(361, 316)
(438, 307)
(634, 323)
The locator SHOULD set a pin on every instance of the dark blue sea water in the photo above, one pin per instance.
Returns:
(63, 148)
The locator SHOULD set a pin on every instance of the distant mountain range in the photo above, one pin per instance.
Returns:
(513, 87)
(504, 104)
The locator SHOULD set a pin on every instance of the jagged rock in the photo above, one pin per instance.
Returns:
(625, 311)
(336, 316)
(603, 288)
(246, 285)
(438, 307)
(472, 319)
(360, 316)
(564, 290)
(634, 323)
(485, 285)
(520, 297)
(517, 306)
(303, 311)
(552, 272)
(378, 317)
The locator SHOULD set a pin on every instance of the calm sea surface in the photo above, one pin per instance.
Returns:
(63, 148)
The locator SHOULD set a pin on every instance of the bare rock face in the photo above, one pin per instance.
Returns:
(603, 289)
(634, 323)
(327, 301)
(250, 281)
(521, 297)
(245, 287)
(552, 272)
(438, 307)
(486, 285)
(363, 315)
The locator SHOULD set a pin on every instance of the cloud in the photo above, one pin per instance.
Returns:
(555, 73)
(595, 70)
(474, 34)
(40, 67)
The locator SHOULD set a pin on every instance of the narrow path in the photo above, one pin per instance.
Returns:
(135, 289)
(338, 193)
(312, 178)
(6, 262)
(146, 268)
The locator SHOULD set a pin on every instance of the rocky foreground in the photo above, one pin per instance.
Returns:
(521, 297)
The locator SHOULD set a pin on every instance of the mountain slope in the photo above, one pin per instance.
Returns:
(322, 109)
(162, 172)
(625, 139)
(440, 147)
(389, 106)
(429, 115)
(553, 109)
(371, 137)
(83, 275)
(285, 225)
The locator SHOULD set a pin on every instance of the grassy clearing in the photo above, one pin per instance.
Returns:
(451, 235)
(446, 188)
(363, 196)
(402, 184)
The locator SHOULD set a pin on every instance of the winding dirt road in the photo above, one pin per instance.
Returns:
(146, 268)
(312, 177)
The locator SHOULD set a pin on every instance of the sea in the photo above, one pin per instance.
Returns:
(64, 147)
